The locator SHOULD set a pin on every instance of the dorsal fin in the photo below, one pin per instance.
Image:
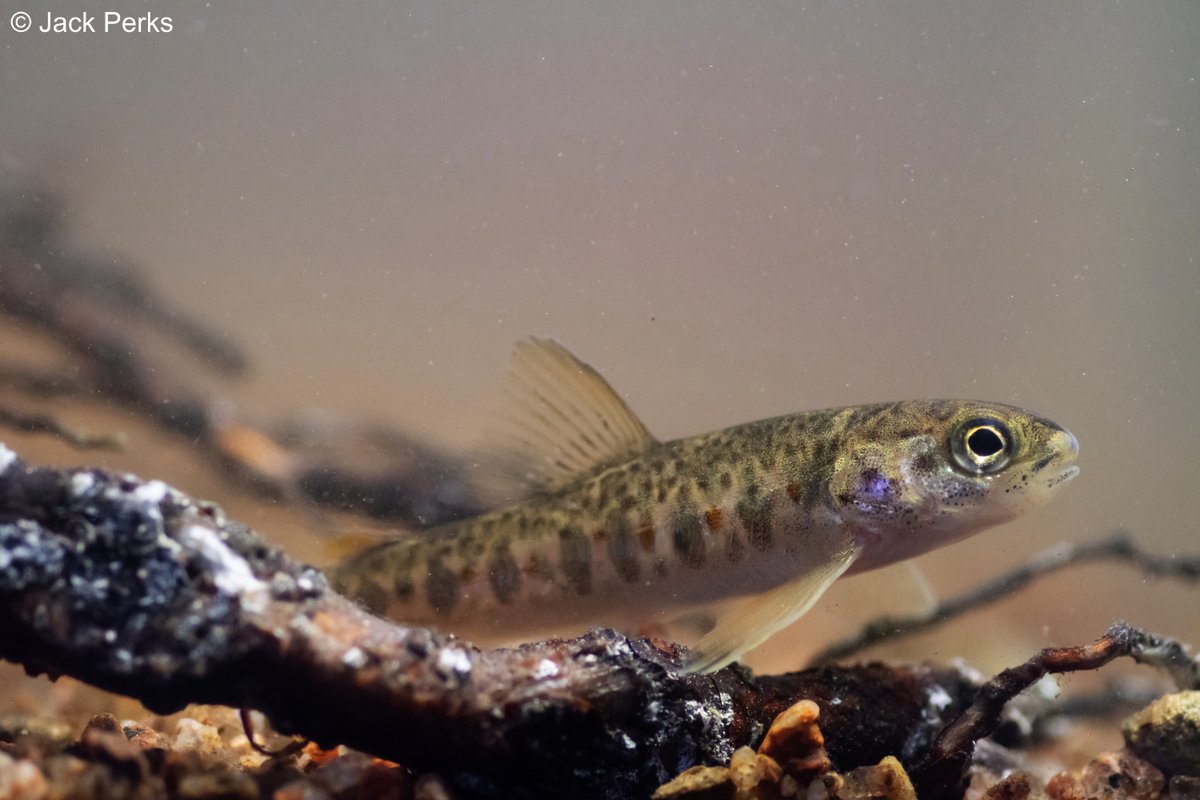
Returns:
(564, 419)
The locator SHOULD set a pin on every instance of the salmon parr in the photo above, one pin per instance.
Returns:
(622, 529)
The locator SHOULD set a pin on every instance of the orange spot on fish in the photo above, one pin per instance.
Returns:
(714, 517)
(646, 538)
(536, 567)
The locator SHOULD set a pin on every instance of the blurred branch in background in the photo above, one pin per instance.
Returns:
(43, 423)
(105, 319)
(1117, 547)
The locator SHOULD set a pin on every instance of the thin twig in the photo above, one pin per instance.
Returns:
(1118, 547)
(940, 773)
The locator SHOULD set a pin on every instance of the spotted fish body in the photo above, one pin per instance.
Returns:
(627, 530)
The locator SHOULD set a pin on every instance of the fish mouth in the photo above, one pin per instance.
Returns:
(1062, 477)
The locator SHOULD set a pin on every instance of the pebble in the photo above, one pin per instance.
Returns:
(1167, 733)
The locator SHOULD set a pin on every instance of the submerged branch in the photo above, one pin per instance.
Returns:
(134, 587)
(1117, 547)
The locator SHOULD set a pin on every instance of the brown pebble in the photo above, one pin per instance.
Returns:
(1018, 786)
(698, 783)
(791, 757)
(887, 780)
(1064, 787)
(102, 722)
(1121, 774)
(796, 742)
(1167, 733)
(753, 774)
(144, 738)
(360, 775)
(103, 740)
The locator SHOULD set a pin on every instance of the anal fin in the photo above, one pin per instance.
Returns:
(754, 620)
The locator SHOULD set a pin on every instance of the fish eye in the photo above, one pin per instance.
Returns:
(982, 446)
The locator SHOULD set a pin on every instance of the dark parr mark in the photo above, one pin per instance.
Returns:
(687, 536)
(403, 586)
(812, 480)
(441, 587)
(623, 549)
(735, 549)
(504, 574)
(370, 595)
(575, 559)
(645, 536)
(755, 514)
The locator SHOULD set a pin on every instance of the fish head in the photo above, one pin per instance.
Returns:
(934, 472)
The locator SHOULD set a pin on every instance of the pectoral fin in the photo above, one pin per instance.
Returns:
(752, 622)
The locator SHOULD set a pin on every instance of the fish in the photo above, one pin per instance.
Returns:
(621, 529)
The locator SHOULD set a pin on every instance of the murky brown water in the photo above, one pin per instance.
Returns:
(733, 212)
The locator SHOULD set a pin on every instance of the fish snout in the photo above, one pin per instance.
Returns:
(1066, 447)
(1065, 442)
